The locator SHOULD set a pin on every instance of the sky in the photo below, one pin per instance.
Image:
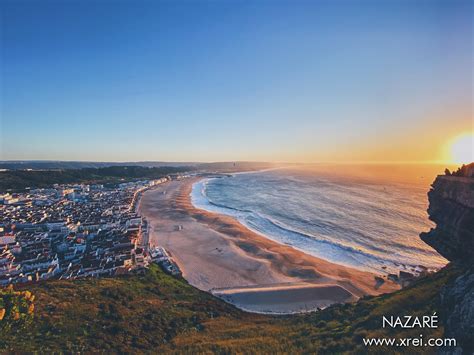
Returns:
(292, 81)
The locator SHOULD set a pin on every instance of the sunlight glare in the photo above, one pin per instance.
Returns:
(462, 149)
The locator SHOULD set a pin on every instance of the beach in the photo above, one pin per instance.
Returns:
(218, 254)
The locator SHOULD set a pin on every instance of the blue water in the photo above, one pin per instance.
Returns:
(368, 223)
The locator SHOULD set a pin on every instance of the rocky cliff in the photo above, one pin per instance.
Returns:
(452, 209)
(457, 299)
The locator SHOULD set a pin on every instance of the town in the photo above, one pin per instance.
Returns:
(73, 231)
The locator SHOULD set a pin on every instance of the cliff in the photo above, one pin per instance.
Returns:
(452, 209)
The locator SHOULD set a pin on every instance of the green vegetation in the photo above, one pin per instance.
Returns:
(158, 313)
(17, 180)
(16, 309)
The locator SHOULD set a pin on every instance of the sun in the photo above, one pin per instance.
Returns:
(462, 149)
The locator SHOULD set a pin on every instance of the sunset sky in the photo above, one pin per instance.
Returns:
(300, 81)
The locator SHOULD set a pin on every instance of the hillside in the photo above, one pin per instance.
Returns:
(43, 174)
(18, 180)
(156, 312)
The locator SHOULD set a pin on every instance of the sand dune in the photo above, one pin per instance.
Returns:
(217, 252)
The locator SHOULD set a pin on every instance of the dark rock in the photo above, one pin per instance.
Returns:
(379, 281)
(452, 209)
(393, 277)
(405, 276)
(458, 310)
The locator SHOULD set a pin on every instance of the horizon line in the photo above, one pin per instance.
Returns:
(342, 162)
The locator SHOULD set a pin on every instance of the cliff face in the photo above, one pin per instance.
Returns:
(457, 299)
(452, 209)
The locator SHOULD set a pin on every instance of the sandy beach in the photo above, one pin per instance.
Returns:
(218, 254)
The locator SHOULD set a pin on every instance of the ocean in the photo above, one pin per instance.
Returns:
(368, 217)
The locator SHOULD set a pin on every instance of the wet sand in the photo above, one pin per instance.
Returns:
(218, 254)
(295, 297)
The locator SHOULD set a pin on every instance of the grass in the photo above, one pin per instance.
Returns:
(159, 313)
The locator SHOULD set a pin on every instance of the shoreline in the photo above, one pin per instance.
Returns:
(368, 262)
(204, 180)
(251, 271)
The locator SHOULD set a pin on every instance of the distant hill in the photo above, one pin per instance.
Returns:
(60, 165)
(18, 180)
(22, 175)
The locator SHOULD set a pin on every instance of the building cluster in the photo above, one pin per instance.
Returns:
(160, 256)
(71, 231)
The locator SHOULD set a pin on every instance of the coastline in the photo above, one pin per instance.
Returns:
(218, 254)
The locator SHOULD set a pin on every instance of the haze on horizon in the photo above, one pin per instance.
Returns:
(293, 81)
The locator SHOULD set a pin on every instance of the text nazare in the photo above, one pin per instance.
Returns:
(411, 321)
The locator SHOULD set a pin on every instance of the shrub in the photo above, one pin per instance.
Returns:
(16, 308)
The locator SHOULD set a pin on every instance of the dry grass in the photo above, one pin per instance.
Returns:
(158, 313)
